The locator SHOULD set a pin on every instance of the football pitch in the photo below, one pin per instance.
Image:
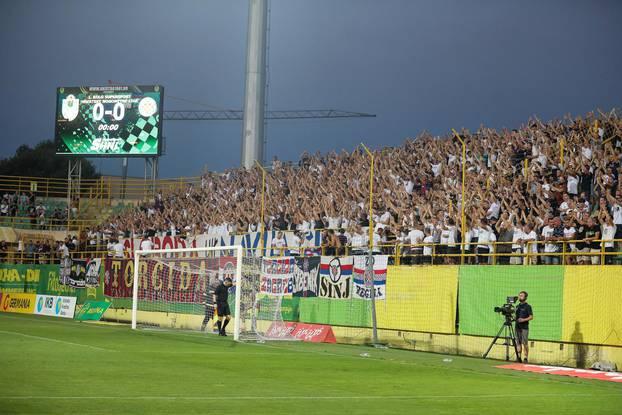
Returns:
(55, 366)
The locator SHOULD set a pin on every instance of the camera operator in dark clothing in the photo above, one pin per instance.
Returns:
(524, 315)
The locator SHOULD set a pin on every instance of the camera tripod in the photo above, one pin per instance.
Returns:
(510, 339)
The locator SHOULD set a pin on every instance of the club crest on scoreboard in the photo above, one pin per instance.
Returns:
(71, 107)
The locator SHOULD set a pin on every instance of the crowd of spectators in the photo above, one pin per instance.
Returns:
(26, 209)
(530, 189)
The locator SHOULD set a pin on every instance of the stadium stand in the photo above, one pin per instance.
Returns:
(542, 182)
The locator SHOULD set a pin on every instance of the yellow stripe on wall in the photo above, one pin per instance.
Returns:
(593, 304)
(421, 298)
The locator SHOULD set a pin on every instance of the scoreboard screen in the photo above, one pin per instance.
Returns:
(109, 120)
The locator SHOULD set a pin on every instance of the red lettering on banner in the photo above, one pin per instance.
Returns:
(566, 371)
(315, 333)
(164, 279)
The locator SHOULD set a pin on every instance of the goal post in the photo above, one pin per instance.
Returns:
(187, 254)
(173, 288)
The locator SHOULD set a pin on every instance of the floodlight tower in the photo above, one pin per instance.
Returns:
(255, 85)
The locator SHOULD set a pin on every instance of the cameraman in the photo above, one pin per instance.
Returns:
(524, 315)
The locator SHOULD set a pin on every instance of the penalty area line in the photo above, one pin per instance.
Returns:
(49, 339)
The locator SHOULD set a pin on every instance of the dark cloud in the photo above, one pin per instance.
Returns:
(416, 64)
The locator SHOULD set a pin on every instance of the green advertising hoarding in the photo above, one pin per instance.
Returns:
(43, 279)
(92, 310)
(482, 288)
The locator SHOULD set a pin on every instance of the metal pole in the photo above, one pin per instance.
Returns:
(263, 195)
(238, 295)
(135, 289)
(371, 197)
(462, 202)
(370, 257)
(255, 85)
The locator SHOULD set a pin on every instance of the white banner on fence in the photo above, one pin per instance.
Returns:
(251, 241)
(55, 306)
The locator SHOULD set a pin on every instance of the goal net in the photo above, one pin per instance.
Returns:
(264, 286)
(175, 290)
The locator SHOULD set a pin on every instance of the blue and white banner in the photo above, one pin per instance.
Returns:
(364, 275)
(335, 280)
(55, 306)
(277, 276)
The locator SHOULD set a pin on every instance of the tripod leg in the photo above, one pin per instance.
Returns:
(494, 341)
(514, 343)
(507, 333)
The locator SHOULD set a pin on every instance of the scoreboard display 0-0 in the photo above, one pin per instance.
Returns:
(109, 120)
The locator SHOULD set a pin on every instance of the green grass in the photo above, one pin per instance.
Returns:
(55, 366)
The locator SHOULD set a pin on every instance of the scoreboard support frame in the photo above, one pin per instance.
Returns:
(74, 177)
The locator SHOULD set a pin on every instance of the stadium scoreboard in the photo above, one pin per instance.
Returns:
(109, 120)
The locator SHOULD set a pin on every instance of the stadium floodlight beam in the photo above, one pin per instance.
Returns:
(255, 85)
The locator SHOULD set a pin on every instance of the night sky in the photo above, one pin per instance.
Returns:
(419, 65)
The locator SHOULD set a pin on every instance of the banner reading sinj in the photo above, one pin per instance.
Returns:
(335, 280)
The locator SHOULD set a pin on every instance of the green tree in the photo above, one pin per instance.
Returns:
(42, 161)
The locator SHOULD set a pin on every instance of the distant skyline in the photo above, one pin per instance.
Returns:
(418, 65)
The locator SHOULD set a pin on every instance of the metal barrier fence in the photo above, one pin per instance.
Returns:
(47, 223)
(488, 253)
(101, 190)
(407, 254)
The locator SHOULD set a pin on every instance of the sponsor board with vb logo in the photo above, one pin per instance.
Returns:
(55, 306)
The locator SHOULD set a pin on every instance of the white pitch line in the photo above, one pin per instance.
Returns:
(292, 397)
(49, 339)
(206, 352)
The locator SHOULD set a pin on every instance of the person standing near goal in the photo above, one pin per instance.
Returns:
(221, 295)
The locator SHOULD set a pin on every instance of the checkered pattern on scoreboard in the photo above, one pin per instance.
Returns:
(143, 137)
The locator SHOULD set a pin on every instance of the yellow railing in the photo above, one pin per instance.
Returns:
(46, 224)
(426, 253)
(103, 189)
(437, 253)
(53, 257)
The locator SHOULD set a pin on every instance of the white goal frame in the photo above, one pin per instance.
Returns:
(238, 277)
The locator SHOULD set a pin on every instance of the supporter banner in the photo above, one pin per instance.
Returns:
(277, 276)
(118, 276)
(484, 287)
(314, 333)
(363, 278)
(592, 312)
(335, 280)
(421, 298)
(92, 310)
(251, 241)
(80, 273)
(352, 312)
(227, 267)
(18, 303)
(306, 274)
(55, 306)
(566, 371)
(182, 280)
(23, 278)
